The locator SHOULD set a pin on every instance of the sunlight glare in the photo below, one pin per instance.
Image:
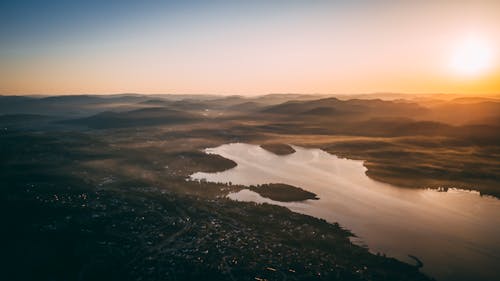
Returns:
(471, 57)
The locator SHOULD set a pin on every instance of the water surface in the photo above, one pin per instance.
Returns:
(456, 233)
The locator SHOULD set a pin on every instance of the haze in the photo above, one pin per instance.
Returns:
(250, 140)
(256, 47)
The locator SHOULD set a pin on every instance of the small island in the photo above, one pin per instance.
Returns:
(283, 192)
(278, 148)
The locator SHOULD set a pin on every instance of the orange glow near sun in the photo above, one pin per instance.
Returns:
(253, 48)
(472, 57)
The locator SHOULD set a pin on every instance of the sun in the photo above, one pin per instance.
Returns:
(471, 57)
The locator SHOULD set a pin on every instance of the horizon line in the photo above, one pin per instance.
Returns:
(250, 95)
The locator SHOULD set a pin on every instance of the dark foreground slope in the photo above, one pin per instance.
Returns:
(110, 206)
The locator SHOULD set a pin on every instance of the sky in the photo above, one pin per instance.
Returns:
(249, 47)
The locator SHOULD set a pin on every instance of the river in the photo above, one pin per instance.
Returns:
(456, 234)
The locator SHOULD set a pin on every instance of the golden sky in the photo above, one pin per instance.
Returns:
(254, 48)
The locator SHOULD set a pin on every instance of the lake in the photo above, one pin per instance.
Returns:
(456, 234)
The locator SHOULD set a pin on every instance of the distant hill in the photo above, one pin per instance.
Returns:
(19, 118)
(333, 106)
(464, 113)
(26, 121)
(141, 117)
(460, 111)
(475, 100)
(246, 106)
(402, 127)
(74, 105)
(321, 111)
